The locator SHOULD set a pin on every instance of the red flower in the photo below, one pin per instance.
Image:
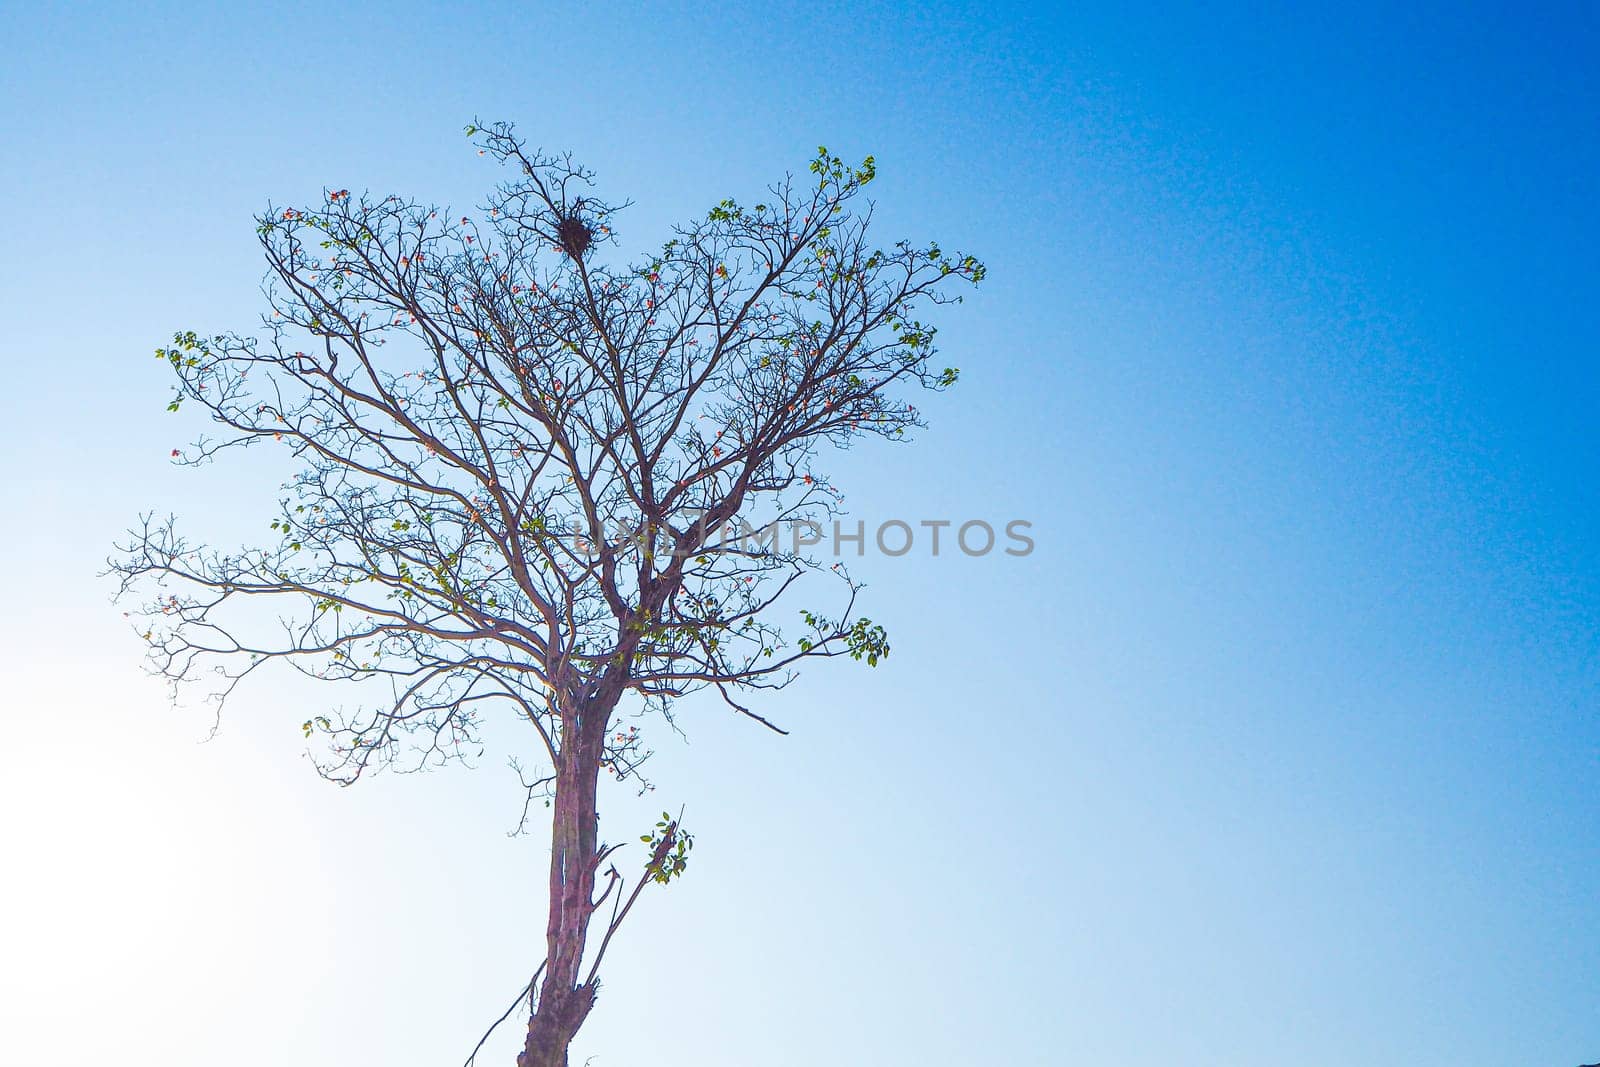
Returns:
(175, 453)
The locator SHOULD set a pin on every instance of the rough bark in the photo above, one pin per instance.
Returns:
(564, 1002)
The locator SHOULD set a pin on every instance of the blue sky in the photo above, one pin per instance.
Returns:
(1281, 747)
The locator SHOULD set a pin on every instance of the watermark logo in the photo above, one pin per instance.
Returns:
(802, 537)
(895, 537)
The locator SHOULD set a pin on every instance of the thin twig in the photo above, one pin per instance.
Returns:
(527, 991)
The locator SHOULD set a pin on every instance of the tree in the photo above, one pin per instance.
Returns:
(535, 479)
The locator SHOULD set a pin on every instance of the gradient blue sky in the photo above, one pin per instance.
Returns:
(1281, 748)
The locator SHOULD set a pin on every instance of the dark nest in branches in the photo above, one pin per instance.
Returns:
(575, 235)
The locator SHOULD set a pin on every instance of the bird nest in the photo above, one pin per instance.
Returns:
(575, 235)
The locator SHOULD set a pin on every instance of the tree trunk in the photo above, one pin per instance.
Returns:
(563, 1003)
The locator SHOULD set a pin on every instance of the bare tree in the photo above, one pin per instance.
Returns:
(532, 478)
